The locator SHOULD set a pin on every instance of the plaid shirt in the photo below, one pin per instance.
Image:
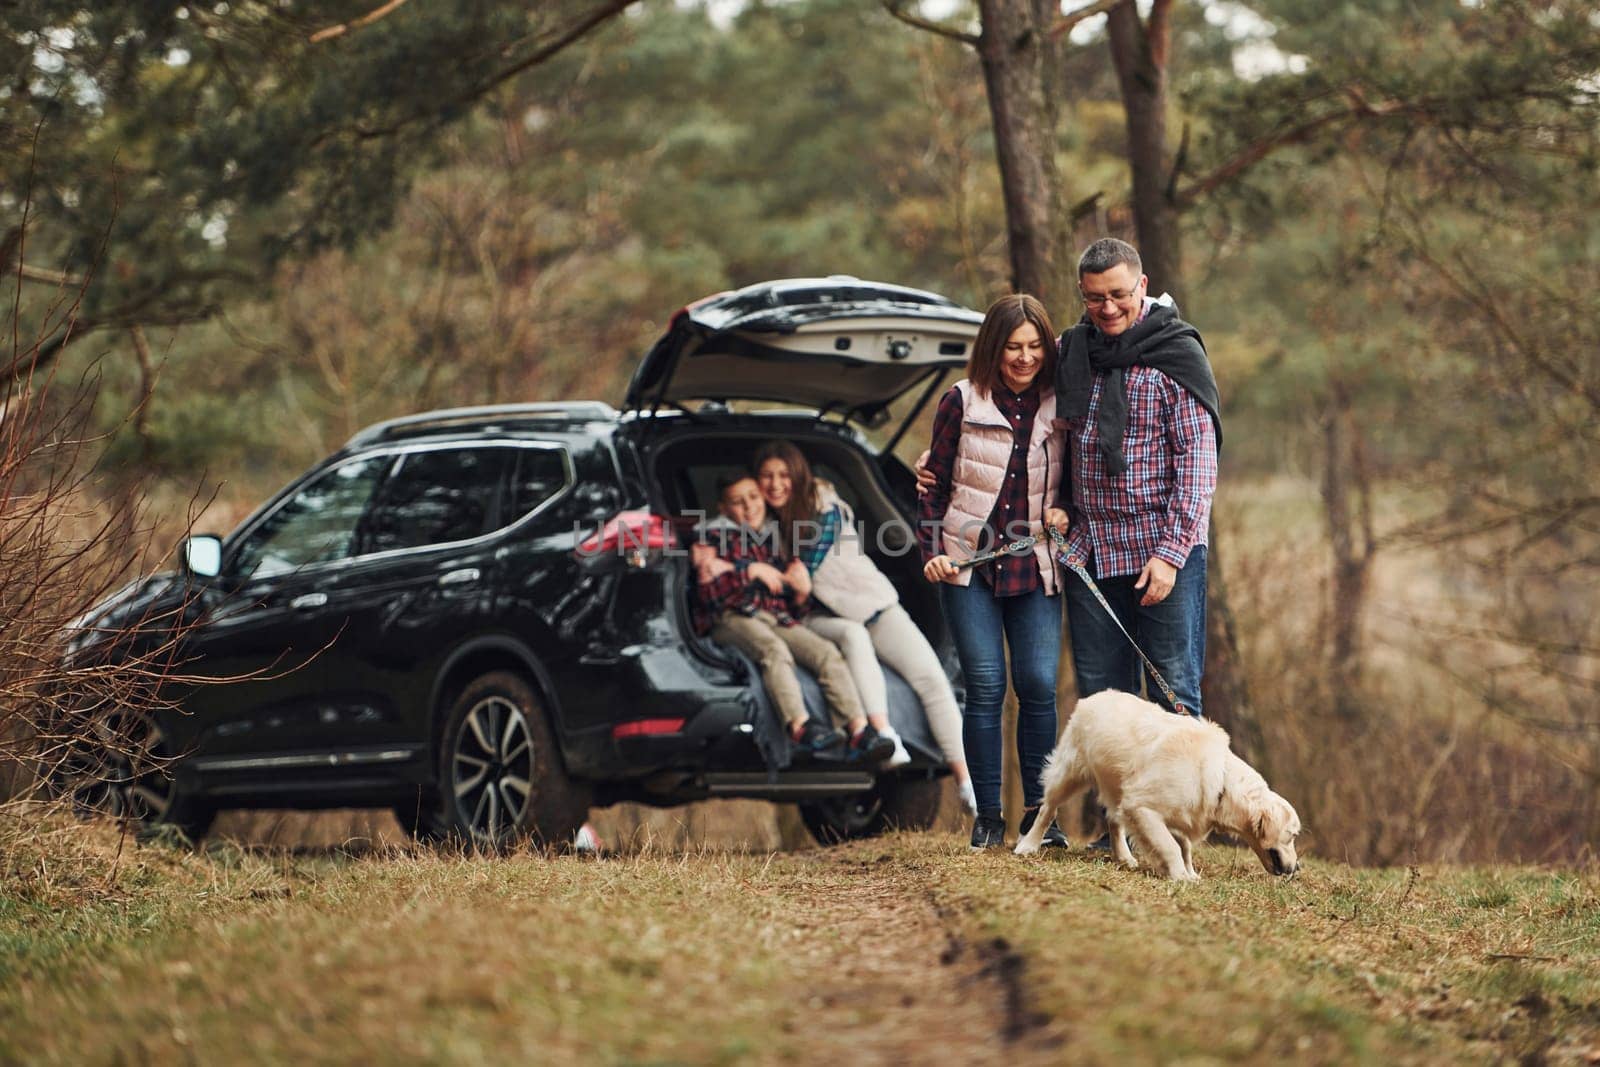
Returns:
(1161, 504)
(815, 551)
(735, 590)
(1008, 575)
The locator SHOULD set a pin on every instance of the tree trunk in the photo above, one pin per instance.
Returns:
(1014, 52)
(1140, 50)
(1350, 537)
(1227, 698)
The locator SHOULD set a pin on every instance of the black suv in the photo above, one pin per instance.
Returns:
(479, 617)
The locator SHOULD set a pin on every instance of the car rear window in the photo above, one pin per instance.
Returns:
(435, 497)
(540, 474)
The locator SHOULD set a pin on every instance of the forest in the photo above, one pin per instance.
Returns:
(234, 233)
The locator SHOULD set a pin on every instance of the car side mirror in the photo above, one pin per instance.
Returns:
(202, 555)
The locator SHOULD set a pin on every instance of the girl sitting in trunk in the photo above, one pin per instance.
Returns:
(855, 607)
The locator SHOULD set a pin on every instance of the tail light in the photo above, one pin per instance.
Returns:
(636, 538)
(647, 728)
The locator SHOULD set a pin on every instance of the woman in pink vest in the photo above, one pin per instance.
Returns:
(997, 462)
(860, 610)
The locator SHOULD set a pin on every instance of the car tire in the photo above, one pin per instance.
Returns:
(117, 762)
(500, 777)
(895, 803)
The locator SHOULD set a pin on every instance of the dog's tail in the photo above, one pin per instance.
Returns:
(1063, 767)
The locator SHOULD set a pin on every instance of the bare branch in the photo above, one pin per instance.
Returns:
(143, 309)
(1064, 24)
(147, 386)
(1158, 31)
(1085, 206)
(355, 24)
(48, 277)
(1179, 160)
(897, 9)
(1358, 107)
(1470, 287)
(608, 10)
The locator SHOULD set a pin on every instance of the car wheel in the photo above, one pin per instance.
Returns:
(500, 776)
(895, 803)
(120, 764)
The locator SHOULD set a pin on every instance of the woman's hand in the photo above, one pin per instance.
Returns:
(925, 478)
(940, 569)
(798, 578)
(1056, 519)
(767, 575)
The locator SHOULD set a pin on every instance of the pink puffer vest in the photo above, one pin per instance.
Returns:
(982, 456)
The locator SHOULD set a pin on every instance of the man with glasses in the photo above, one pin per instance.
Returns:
(1136, 393)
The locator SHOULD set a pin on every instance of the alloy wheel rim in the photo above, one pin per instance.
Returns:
(121, 769)
(853, 814)
(492, 769)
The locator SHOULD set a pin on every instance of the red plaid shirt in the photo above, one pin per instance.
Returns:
(1008, 575)
(1161, 504)
(735, 590)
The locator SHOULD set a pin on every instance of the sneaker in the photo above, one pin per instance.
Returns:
(988, 831)
(586, 840)
(968, 797)
(900, 757)
(817, 739)
(869, 746)
(1053, 837)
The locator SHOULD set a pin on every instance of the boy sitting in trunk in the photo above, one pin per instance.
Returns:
(743, 599)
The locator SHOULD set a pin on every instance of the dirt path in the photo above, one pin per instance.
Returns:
(899, 977)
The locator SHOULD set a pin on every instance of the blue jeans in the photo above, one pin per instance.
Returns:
(983, 624)
(1172, 633)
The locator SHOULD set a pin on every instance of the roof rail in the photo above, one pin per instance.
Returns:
(581, 409)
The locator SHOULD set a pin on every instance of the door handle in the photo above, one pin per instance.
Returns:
(308, 600)
(460, 577)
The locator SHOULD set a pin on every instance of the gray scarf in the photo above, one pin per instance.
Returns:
(1160, 340)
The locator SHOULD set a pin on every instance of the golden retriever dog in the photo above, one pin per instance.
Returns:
(1170, 779)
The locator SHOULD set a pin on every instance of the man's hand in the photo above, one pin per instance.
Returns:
(1156, 580)
(767, 575)
(925, 478)
(798, 578)
(940, 569)
(1056, 519)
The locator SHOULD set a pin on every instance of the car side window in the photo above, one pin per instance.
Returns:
(317, 524)
(540, 474)
(434, 497)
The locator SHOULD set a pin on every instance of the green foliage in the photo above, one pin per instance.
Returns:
(665, 159)
(1434, 241)
(371, 224)
(1422, 241)
(183, 150)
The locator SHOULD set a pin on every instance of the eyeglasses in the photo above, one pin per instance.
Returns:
(1116, 296)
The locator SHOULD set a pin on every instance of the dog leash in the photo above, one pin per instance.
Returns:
(1082, 572)
(1020, 545)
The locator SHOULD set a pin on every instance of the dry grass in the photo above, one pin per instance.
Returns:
(1424, 770)
(1337, 965)
(903, 948)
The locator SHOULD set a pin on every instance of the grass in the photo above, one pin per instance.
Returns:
(903, 948)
